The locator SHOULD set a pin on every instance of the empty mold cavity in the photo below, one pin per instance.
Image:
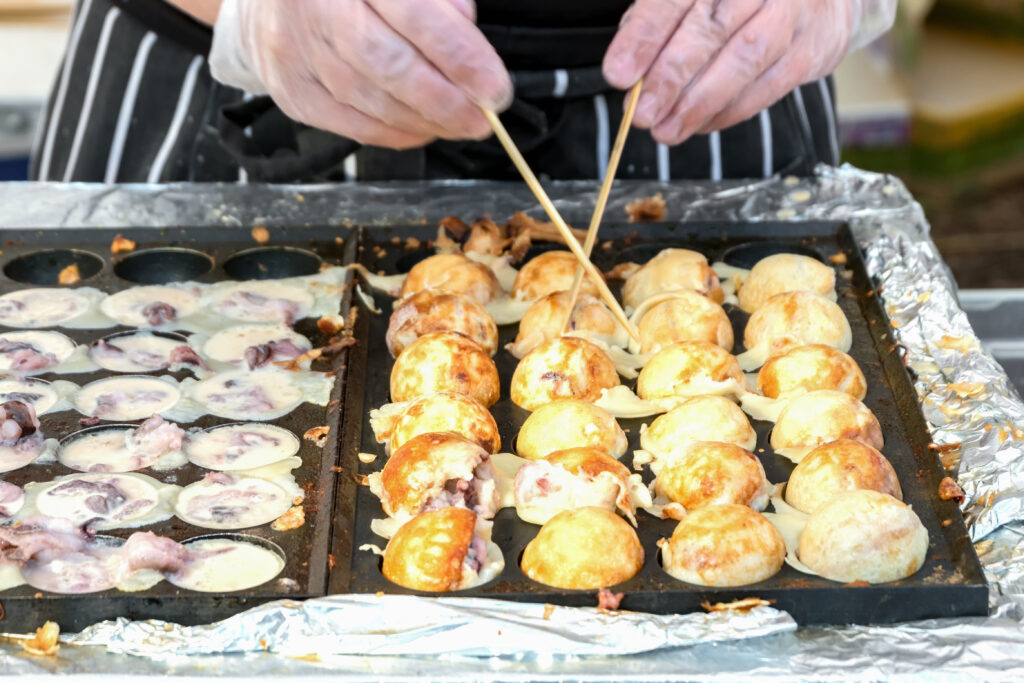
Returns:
(747, 255)
(160, 266)
(45, 267)
(272, 263)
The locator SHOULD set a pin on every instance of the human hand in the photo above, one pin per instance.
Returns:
(386, 73)
(709, 64)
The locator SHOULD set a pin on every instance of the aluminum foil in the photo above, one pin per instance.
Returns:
(976, 426)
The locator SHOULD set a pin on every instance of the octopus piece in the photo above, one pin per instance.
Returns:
(39, 394)
(226, 501)
(40, 538)
(29, 352)
(586, 548)
(723, 546)
(447, 549)
(155, 437)
(121, 448)
(570, 479)
(186, 355)
(701, 418)
(781, 273)
(682, 316)
(547, 273)
(126, 398)
(11, 499)
(444, 412)
(795, 319)
(818, 417)
(565, 367)
(240, 446)
(432, 310)
(672, 270)
(690, 369)
(255, 345)
(545, 319)
(837, 467)
(150, 305)
(707, 473)
(100, 501)
(35, 308)
(444, 361)
(135, 352)
(452, 273)
(436, 470)
(569, 423)
(263, 302)
(864, 536)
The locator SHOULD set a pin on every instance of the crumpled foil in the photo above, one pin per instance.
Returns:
(977, 429)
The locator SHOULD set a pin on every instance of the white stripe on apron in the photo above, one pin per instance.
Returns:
(62, 91)
(603, 144)
(184, 100)
(124, 116)
(826, 100)
(715, 145)
(98, 63)
(664, 169)
(767, 158)
(798, 96)
(561, 83)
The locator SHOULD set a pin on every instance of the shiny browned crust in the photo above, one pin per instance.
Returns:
(564, 424)
(794, 319)
(821, 416)
(781, 273)
(683, 362)
(809, 368)
(454, 273)
(550, 272)
(672, 270)
(566, 367)
(427, 552)
(711, 472)
(836, 467)
(446, 412)
(586, 548)
(419, 465)
(444, 361)
(687, 316)
(434, 310)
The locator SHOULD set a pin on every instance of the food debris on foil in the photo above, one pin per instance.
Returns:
(976, 432)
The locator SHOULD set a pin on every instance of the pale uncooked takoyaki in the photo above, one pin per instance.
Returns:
(701, 418)
(796, 319)
(552, 271)
(780, 273)
(570, 479)
(454, 273)
(546, 319)
(818, 417)
(672, 270)
(683, 316)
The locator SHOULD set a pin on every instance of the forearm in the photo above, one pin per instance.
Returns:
(202, 10)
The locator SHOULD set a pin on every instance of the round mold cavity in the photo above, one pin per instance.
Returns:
(44, 267)
(748, 254)
(92, 430)
(112, 339)
(644, 252)
(156, 333)
(257, 541)
(163, 265)
(272, 263)
(406, 261)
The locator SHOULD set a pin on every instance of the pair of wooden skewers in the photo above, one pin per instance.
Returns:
(582, 253)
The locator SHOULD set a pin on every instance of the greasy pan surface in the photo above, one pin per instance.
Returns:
(950, 583)
(204, 254)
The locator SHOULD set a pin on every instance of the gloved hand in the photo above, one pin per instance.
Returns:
(383, 72)
(709, 64)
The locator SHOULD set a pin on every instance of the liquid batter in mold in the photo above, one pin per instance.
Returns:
(44, 397)
(255, 345)
(261, 302)
(125, 448)
(137, 352)
(226, 501)
(264, 394)
(42, 307)
(240, 446)
(127, 398)
(102, 501)
(152, 305)
(32, 352)
(11, 499)
(220, 565)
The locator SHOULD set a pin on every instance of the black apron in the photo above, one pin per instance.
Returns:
(134, 102)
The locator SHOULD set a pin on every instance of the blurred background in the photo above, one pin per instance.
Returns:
(938, 102)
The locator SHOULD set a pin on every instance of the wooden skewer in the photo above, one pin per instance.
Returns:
(556, 218)
(602, 196)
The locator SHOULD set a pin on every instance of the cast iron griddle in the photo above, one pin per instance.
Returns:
(950, 583)
(205, 254)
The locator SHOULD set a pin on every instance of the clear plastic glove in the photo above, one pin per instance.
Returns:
(709, 64)
(384, 72)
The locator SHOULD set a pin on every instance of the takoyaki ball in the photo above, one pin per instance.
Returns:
(585, 548)
(684, 316)
(818, 417)
(569, 423)
(672, 270)
(864, 536)
(444, 361)
(545, 319)
(837, 467)
(446, 412)
(796, 319)
(436, 470)
(780, 273)
(722, 546)
(570, 479)
(566, 367)
(701, 418)
(689, 369)
(453, 273)
(711, 473)
(552, 271)
(432, 310)
(441, 550)
(810, 368)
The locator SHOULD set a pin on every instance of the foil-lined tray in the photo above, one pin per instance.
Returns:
(978, 434)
